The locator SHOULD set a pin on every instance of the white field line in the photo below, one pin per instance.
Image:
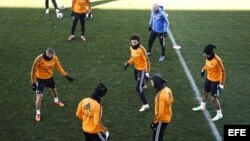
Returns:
(195, 89)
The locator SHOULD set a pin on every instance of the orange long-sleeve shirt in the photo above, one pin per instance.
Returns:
(215, 70)
(44, 69)
(90, 112)
(140, 59)
(81, 6)
(163, 106)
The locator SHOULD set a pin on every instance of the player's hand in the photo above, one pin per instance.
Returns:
(202, 73)
(70, 79)
(165, 34)
(89, 15)
(221, 86)
(153, 126)
(125, 66)
(72, 13)
(33, 86)
(147, 76)
(149, 28)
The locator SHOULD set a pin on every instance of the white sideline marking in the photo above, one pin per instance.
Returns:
(195, 89)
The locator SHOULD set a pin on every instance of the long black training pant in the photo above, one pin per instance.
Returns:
(158, 131)
(140, 77)
(76, 17)
(47, 4)
(152, 37)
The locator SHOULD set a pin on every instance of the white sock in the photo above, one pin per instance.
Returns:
(38, 112)
(219, 111)
(203, 104)
(56, 99)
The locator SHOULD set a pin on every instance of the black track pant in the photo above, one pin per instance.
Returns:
(158, 131)
(47, 4)
(94, 137)
(161, 38)
(76, 17)
(140, 77)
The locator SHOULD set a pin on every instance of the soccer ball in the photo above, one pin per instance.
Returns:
(59, 15)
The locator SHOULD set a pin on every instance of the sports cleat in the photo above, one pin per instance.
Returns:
(145, 87)
(144, 108)
(71, 37)
(47, 11)
(83, 38)
(38, 117)
(59, 104)
(217, 117)
(198, 109)
(162, 58)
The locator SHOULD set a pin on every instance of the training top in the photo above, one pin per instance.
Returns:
(163, 106)
(140, 59)
(215, 70)
(90, 112)
(159, 21)
(44, 69)
(81, 6)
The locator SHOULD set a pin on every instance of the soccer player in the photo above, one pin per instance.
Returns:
(47, 6)
(141, 62)
(158, 27)
(79, 10)
(89, 111)
(42, 76)
(163, 107)
(214, 82)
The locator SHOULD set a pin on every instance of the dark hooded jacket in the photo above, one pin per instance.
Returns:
(99, 92)
(159, 83)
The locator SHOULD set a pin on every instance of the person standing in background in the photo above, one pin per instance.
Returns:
(79, 10)
(158, 27)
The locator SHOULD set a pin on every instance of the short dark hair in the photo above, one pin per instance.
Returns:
(134, 37)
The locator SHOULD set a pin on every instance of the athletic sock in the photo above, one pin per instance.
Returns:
(203, 104)
(38, 112)
(56, 99)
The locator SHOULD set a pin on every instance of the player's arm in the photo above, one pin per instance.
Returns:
(79, 111)
(146, 59)
(88, 6)
(222, 71)
(161, 100)
(34, 69)
(131, 59)
(97, 118)
(59, 66)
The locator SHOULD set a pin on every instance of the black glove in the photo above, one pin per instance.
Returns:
(33, 86)
(89, 15)
(69, 78)
(202, 73)
(153, 126)
(149, 28)
(72, 13)
(125, 66)
(165, 34)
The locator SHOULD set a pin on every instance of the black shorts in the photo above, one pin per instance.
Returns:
(212, 87)
(42, 83)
